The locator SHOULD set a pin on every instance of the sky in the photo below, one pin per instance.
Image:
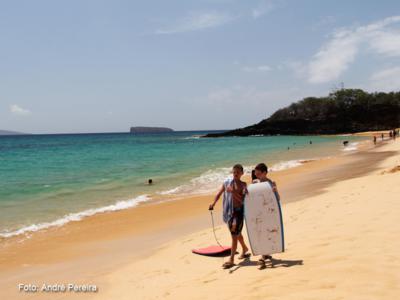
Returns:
(103, 66)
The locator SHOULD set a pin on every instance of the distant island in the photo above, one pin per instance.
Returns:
(142, 129)
(7, 132)
(343, 111)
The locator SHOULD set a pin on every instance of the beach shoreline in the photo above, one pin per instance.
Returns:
(341, 244)
(201, 183)
(134, 235)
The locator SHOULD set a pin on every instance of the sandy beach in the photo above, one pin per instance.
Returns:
(340, 217)
(200, 150)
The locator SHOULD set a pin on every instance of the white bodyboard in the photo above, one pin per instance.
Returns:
(263, 220)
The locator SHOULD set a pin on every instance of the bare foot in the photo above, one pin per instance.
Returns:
(262, 265)
(244, 253)
(228, 264)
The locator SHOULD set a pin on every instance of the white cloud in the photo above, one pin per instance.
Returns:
(197, 21)
(334, 58)
(385, 80)
(18, 110)
(340, 51)
(261, 68)
(387, 43)
(262, 9)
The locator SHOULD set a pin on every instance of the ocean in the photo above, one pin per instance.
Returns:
(50, 180)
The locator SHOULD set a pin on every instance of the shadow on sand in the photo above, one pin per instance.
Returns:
(220, 254)
(269, 264)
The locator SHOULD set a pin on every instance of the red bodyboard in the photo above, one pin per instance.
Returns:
(212, 250)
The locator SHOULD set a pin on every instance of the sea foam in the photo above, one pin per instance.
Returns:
(213, 178)
(72, 217)
(206, 182)
(351, 147)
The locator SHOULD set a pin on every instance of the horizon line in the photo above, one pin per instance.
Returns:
(110, 132)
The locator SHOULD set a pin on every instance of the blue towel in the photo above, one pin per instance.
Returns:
(227, 204)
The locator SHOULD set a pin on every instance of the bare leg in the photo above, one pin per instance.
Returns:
(234, 247)
(242, 243)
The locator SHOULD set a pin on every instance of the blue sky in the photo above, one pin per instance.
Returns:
(103, 66)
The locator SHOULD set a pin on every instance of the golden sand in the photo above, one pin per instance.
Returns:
(342, 243)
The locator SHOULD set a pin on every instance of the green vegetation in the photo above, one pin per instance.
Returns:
(343, 111)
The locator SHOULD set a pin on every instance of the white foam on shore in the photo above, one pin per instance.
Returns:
(207, 181)
(284, 165)
(193, 137)
(212, 179)
(351, 147)
(203, 184)
(120, 205)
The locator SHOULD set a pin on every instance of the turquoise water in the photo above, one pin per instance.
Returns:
(48, 180)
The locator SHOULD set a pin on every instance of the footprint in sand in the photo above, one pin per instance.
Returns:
(209, 280)
(328, 286)
(210, 273)
(393, 170)
(157, 272)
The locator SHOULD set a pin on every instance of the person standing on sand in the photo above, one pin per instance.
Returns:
(234, 191)
(261, 171)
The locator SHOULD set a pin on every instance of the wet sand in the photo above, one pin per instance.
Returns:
(341, 244)
(89, 251)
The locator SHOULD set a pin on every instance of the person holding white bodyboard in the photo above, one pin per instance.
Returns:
(261, 172)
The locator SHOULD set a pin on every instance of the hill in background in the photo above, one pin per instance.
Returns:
(343, 111)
